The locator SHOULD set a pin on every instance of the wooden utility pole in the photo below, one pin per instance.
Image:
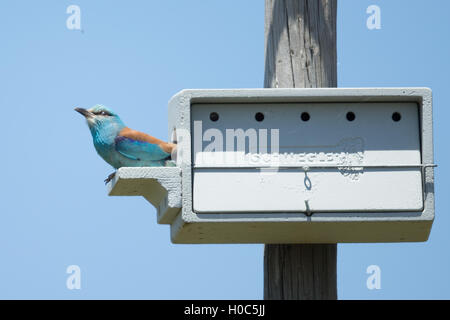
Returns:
(300, 52)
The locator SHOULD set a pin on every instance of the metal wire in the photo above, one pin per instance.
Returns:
(308, 167)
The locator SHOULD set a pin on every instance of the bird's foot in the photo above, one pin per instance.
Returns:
(110, 177)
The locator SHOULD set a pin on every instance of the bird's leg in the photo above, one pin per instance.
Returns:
(110, 177)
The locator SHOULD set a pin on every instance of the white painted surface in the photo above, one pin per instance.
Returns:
(244, 191)
(187, 226)
(161, 186)
(327, 139)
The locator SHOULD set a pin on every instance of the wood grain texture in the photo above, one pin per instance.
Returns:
(300, 272)
(300, 52)
(300, 48)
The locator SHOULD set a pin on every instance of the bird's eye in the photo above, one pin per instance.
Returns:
(102, 113)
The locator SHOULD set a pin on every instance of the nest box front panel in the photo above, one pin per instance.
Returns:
(306, 157)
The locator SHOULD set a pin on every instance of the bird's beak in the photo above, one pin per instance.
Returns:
(84, 112)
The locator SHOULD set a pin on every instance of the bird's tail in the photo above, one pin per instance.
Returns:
(171, 160)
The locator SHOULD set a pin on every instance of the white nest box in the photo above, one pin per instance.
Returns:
(294, 166)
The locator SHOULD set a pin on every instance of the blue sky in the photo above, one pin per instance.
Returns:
(133, 56)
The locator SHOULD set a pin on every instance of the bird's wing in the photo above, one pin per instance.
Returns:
(137, 145)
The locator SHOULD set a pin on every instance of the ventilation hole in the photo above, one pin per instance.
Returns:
(396, 116)
(351, 116)
(259, 117)
(305, 116)
(214, 116)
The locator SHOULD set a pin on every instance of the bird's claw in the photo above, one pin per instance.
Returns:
(110, 177)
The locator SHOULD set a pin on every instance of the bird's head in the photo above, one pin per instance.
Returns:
(100, 117)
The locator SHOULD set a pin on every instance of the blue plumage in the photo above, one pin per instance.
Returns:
(140, 150)
(121, 146)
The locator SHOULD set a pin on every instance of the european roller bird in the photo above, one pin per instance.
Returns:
(121, 146)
